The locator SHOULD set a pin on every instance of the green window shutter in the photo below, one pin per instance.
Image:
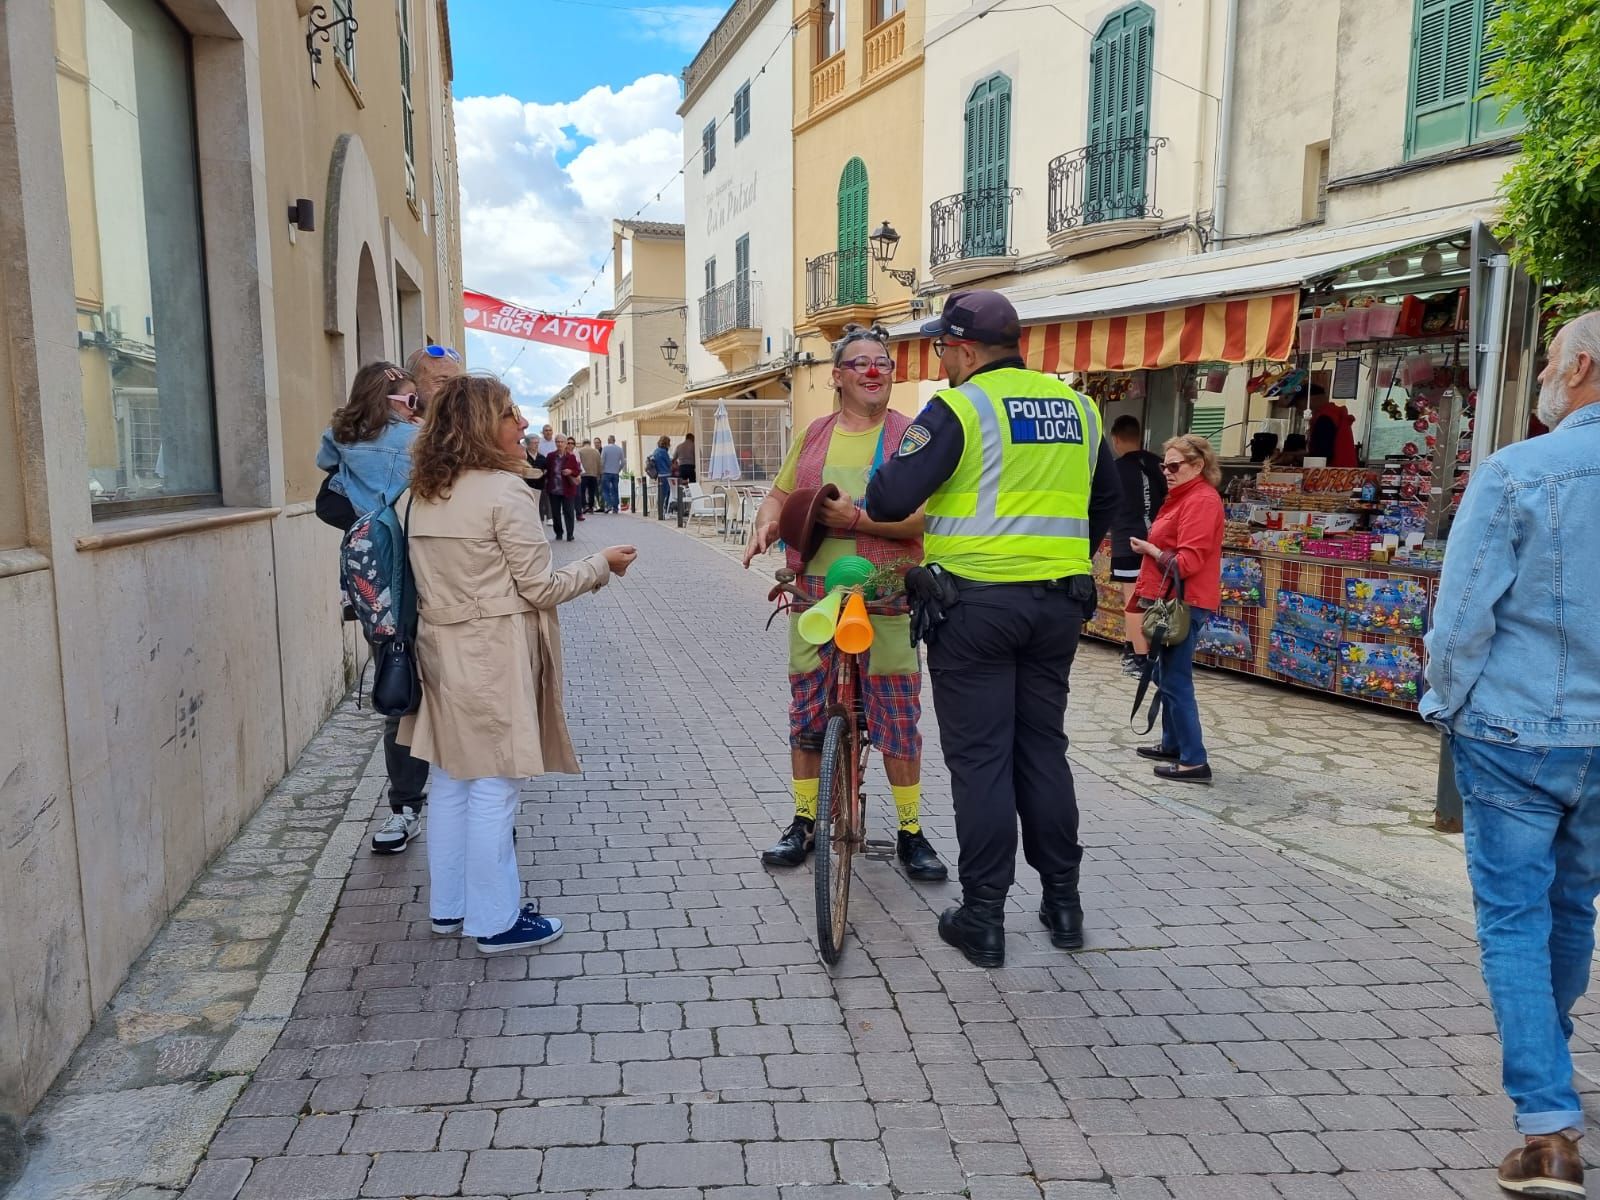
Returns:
(1490, 116)
(1443, 40)
(1121, 63)
(986, 177)
(851, 267)
(1208, 421)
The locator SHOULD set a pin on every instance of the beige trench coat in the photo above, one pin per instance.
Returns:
(488, 643)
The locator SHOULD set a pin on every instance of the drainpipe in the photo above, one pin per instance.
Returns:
(1219, 203)
(1200, 125)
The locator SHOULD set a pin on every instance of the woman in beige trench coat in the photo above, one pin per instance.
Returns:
(489, 652)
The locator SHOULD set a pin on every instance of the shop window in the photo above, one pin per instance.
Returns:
(1121, 59)
(408, 117)
(830, 29)
(851, 269)
(1452, 57)
(708, 148)
(986, 177)
(126, 99)
(741, 114)
(757, 439)
(344, 37)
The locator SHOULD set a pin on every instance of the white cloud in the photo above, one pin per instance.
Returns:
(540, 185)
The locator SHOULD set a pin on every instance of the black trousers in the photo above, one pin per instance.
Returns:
(591, 492)
(999, 666)
(564, 509)
(408, 776)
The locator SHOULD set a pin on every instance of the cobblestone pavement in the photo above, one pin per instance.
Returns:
(1242, 1026)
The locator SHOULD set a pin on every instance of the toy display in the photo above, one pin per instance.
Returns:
(1309, 617)
(1225, 638)
(1379, 670)
(1395, 606)
(1242, 581)
(1300, 660)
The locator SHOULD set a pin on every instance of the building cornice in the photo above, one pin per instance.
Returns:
(727, 37)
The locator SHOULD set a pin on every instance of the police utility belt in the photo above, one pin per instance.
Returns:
(933, 592)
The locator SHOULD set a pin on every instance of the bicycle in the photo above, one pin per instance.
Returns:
(841, 812)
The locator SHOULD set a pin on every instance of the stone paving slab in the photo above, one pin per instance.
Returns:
(1241, 1026)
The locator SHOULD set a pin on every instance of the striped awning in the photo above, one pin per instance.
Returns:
(1233, 331)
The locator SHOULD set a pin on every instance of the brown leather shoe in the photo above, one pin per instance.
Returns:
(1549, 1167)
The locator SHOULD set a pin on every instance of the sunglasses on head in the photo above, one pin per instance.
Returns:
(441, 352)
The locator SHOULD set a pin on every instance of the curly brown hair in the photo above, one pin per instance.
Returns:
(462, 433)
(1197, 449)
(368, 412)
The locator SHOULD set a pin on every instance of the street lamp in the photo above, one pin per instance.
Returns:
(669, 351)
(885, 241)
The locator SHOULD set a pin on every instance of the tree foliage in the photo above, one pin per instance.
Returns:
(1551, 68)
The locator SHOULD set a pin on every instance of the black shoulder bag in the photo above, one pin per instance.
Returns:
(1166, 623)
(396, 681)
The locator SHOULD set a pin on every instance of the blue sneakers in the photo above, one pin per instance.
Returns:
(530, 930)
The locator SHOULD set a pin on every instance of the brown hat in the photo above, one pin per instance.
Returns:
(799, 524)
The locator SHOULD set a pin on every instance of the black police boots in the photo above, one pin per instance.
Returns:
(1061, 912)
(791, 849)
(978, 927)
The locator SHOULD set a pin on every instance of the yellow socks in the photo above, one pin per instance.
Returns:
(805, 798)
(907, 806)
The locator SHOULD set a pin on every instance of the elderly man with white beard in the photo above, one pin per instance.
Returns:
(1514, 680)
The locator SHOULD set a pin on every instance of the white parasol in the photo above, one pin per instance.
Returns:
(724, 463)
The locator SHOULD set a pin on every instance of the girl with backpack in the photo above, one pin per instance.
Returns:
(489, 654)
(366, 452)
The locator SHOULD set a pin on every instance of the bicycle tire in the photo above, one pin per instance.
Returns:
(835, 839)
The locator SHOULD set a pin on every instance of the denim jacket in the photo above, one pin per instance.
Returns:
(1514, 652)
(370, 472)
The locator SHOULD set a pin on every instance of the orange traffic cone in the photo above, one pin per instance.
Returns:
(853, 634)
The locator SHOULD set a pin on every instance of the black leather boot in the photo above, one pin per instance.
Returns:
(1061, 912)
(978, 927)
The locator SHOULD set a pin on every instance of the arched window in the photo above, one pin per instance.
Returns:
(1121, 59)
(852, 264)
(986, 175)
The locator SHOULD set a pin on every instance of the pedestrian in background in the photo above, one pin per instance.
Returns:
(589, 455)
(489, 653)
(366, 452)
(543, 449)
(1185, 545)
(1514, 681)
(565, 478)
(612, 460)
(1143, 491)
(432, 365)
(659, 468)
(684, 462)
(1020, 486)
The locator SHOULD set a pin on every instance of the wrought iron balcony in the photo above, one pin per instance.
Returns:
(734, 306)
(975, 224)
(1105, 181)
(838, 279)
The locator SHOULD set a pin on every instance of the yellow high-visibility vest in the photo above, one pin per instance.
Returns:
(1016, 509)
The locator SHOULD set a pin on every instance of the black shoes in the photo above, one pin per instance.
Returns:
(1159, 753)
(1061, 912)
(791, 849)
(978, 927)
(919, 858)
(1171, 770)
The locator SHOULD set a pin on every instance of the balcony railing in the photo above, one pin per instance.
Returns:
(624, 290)
(886, 45)
(1107, 181)
(838, 279)
(827, 81)
(975, 224)
(734, 305)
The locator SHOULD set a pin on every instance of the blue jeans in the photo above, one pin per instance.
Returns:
(1532, 816)
(609, 499)
(1180, 714)
(664, 487)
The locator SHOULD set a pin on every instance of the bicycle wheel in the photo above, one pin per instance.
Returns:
(836, 834)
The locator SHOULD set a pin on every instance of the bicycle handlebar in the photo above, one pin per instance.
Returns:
(799, 601)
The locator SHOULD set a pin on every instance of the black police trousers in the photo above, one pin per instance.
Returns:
(999, 666)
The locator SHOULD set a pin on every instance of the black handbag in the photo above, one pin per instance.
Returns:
(1166, 623)
(396, 681)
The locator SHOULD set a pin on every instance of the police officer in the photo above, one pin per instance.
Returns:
(1020, 486)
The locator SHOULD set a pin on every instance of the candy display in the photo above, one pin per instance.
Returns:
(1309, 617)
(1379, 670)
(1242, 581)
(1395, 606)
(1300, 660)
(1225, 638)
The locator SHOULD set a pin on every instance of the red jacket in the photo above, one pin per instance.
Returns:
(1189, 526)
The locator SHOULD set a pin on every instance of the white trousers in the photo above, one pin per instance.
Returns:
(472, 861)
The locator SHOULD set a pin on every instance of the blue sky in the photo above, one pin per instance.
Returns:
(565, 119)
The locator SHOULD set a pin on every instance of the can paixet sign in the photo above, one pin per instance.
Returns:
(589, 334)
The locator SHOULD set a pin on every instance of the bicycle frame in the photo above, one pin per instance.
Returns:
(844, 700)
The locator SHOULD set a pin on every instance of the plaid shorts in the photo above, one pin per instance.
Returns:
(893, 704)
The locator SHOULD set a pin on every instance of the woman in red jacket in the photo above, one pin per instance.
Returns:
(1187, 536)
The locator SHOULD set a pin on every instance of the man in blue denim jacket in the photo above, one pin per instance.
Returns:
(1514, 678)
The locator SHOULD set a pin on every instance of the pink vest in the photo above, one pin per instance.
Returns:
(878, 551)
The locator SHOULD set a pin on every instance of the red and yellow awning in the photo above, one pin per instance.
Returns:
(1233, 331)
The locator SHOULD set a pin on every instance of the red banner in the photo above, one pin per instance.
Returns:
(589, 334)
